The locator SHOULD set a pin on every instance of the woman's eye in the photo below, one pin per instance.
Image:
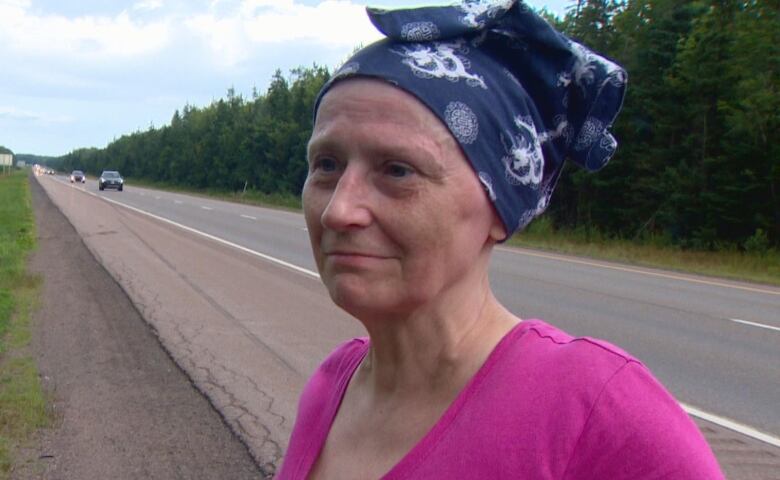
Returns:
(398, 170)
(326, 165)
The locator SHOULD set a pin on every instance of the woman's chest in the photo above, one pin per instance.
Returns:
(368, 445)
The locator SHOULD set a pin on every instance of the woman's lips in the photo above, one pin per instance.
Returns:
(356, 259)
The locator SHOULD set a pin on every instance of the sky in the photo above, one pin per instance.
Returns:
(81, 73)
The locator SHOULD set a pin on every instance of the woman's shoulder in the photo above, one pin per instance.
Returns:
(344, 356)
(598, 403)
(553, 349)
(588, 345)
(335, 370)
(538, 360)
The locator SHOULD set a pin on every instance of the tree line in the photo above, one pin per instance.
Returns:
(235, 142)
(699, 158)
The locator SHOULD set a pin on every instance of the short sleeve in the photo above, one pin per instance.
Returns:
(637, 430)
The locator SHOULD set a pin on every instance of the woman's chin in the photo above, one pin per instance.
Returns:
(359, 299)
(369, 305)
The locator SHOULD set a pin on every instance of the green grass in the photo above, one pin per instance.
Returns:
(22, 402)
(761, 267)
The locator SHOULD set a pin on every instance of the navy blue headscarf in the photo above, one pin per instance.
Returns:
(518, 96)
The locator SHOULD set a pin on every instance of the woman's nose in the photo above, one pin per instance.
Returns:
(348, 206)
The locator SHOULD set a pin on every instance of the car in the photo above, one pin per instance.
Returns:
(111, 179)
(77, 176)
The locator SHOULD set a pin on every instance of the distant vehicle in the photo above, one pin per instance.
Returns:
(50, 172)
(110, 179)
(78, 176)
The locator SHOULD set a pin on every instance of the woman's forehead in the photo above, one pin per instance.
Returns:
(371, 99)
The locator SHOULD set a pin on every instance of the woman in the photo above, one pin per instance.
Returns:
(429, 148)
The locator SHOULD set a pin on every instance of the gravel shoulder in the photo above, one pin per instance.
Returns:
(122, 408)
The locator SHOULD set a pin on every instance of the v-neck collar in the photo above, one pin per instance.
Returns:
(409, 462)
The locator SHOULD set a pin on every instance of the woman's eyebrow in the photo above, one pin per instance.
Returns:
(422, 158)
(321, 142)
(418, 157)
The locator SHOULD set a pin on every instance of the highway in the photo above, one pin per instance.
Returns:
(714, 343)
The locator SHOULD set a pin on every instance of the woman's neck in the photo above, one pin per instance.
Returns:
(436, 349)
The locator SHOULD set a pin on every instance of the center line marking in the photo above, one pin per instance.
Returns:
(754, 324)
(249, 217)
(206, 208)
(177, 201)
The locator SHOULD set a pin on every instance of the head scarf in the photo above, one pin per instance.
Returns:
(518, 96)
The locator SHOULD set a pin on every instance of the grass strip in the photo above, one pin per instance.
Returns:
(761, 266)
(22, 402)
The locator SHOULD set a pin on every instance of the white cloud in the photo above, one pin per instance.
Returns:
(234, 35)
(12, 113)
(224, 36)
(332, 22)
(148, 5)
(15, 3)
(86, 37)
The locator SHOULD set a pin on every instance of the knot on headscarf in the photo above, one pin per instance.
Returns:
(518, 96)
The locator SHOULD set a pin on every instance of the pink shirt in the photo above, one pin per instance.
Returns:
(544, 405)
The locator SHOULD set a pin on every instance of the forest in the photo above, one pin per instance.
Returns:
(698, 164)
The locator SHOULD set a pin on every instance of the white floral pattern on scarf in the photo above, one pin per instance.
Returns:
(477, 12)
(462, 121)
(524, 162)
(420, 31)
(440, 60)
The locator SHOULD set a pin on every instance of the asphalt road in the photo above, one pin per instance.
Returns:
(681, 326)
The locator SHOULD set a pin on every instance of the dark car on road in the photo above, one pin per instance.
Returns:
(110, 179)
(78, 176)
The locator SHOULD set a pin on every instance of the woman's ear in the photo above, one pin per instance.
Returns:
(497, 230)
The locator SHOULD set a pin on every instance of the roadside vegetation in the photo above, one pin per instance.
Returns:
(22, 403)
(755, 263)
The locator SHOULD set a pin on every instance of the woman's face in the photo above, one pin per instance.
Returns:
(395, 214)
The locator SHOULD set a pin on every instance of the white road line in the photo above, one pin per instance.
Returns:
(754, 324)
(732, 425)
(644, 272)
(249, 217)
(206, 208)
(269, 258)
(179, 202)
(722, 421)
(156, 198)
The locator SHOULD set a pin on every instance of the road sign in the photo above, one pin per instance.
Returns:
(6, 159)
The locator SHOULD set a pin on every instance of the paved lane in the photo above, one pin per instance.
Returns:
(273, 232)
